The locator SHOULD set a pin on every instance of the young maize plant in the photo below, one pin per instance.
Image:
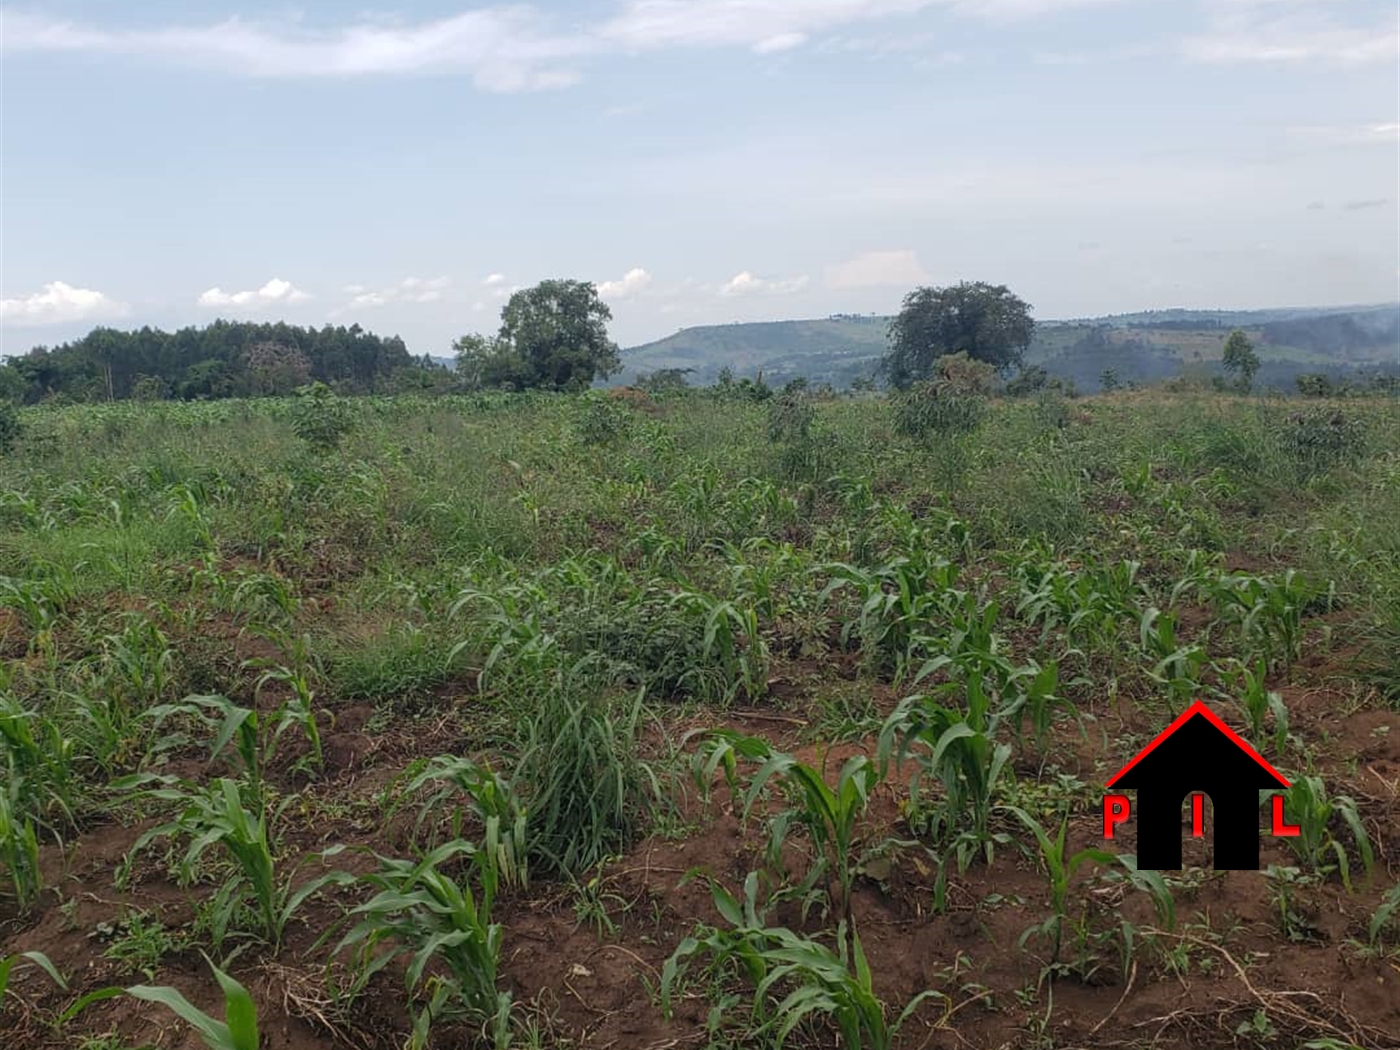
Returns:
(1307, 804)
(796, 979)
(959, 750)
(39, 959)
(1060, 869)
(438, 922)
(504, 818)
(829, 815)
(219, 815)
(237, 1031)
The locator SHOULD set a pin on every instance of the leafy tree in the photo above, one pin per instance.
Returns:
(985, 321)
(1314, 384)
(277, 368)
(1240, 360)
(150, 388)
(1109, 381)
(1029, 380)
(557, 334)
(223, 359)
(479, 361)
(665, 380)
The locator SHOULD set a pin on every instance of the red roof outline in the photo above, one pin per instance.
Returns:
(1199, 708)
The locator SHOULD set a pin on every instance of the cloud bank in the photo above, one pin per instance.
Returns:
(60, 303)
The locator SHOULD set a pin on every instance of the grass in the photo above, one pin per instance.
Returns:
(536, 597)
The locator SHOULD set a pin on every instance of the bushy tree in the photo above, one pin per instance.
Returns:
(1314, 384)
(984, 321)
(950, 403)
(1240, 360)
(483, 362)
(276, 368)
(554, 336)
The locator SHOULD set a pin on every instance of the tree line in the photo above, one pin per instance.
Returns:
(224, 359)
(552, 336)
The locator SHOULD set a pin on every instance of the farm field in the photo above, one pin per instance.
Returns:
(601, 721)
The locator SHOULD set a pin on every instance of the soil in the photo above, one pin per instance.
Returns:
(1223, 976)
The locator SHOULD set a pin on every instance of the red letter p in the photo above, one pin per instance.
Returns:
(1115, 811)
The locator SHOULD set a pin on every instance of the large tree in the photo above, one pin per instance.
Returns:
(554, 336)
(985, 321)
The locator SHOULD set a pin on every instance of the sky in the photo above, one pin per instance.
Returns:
(703, 161)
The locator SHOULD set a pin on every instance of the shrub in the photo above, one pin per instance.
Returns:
(320, 418)
(602, 419)
(10, 427)
(952, 403)
(1319, 439)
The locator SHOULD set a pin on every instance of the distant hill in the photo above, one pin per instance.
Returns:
(1141, 347)
(834, 351)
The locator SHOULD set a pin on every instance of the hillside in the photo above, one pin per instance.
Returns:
(1141, 347)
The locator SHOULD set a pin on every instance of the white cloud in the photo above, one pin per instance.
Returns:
(60, 303)
(273, 292)
(1291, 32)
(876, 269)
(631, 283)
(1348, 134)
(493, 279)
(409, 290)
(781, 42)
(776, 25)
(505, 48)
(745, 283)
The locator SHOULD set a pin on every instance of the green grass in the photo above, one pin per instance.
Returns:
(540, 591)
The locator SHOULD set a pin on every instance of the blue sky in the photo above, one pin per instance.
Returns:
(702, 160)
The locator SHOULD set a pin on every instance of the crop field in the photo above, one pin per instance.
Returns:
(606, 721)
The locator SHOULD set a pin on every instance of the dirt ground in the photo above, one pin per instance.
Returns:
(1225, 976)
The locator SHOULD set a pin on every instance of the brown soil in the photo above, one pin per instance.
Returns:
(1224, 967)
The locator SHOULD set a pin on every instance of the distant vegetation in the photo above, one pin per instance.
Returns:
(985, 321)
(554, 337)
(1343, 345)
(226, 359)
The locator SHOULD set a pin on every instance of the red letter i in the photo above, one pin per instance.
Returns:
(1198, 816)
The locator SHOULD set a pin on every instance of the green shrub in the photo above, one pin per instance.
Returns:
(320, 418)
(10, 427)
(1319, 439)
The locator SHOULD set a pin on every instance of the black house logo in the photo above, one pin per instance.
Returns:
(1197, 755)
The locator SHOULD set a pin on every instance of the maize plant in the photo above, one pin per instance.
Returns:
(1179, 666)
(19, 850)
(1259, 702)
(237, 1031)
(219, 816)
(39, 959)
(503, 816)
(732, 645)
(1307, 805)
(1268, 610)
(438, 922)
(896, 600)
(796, 979)
(959, 750)
(1060, 868)
(829, 815)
